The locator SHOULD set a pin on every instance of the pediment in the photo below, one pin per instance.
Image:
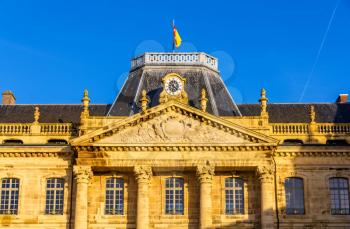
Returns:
(173, 123)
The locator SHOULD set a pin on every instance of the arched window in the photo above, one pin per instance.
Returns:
(234, 196)
(54, 196)
(174, 196)
(9, 196)
(294, 188)
(339, 191)
(114, 196)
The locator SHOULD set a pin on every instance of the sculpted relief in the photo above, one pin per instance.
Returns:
(172, 128)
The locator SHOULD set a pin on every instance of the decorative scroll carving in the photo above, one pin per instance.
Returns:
(173, 128)
(143, 174)
(265, 174)
(82, 174)
(205, 172)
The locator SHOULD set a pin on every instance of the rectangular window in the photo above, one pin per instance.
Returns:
(54, 196)
(294, 188)
(174, 196)
(9, 196)
(234, 196)
(339, 191)
(114, 196)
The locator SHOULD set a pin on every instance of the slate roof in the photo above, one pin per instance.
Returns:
(220, 101)
(299, 112)
(48, 113)
(278, 113)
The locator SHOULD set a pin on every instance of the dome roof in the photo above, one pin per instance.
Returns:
(199, 69)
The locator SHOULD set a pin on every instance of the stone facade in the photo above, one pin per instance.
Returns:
(174, 140)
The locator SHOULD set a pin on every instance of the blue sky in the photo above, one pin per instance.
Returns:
(51, 50)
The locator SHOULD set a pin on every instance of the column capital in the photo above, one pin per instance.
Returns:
(205, 172)
(143, 174)
(82, 174)
(265, 173)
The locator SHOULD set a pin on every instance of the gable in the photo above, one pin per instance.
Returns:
(173, 123)
(173, 128)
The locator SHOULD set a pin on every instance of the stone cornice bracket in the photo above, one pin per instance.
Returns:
(143, 174)
(144, 100)
(205, 172)
(263, 104)
(82, 174)
(265, 173)
(203, 100)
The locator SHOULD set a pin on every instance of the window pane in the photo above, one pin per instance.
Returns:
(294, 190)
(339, 195)
(234, 196)
(54, 196)
(114, 196)
(174, 196)
(9, 196)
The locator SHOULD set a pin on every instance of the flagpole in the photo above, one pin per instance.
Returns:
(173, 44)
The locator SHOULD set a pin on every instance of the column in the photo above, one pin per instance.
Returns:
(82, 175)
(143, 175)
(266, 178)
(205, 175)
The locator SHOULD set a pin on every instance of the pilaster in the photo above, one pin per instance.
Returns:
(143, 176)
(205, 175)
(82, 175)
(266, 177)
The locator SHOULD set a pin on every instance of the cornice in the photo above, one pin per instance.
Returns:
(311, 154)
(34, 154)
(168, 148)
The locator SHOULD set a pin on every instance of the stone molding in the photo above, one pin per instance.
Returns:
(205, 172)
(82, 174)
(312, 154)
(143, 174)
(34, 154)
(182, 147)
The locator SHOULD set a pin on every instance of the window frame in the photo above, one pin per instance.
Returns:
(339, 188)
(174, 199)
(9, 199)
(55, 189)
(115, 189)
(234, 189)
(302, 179)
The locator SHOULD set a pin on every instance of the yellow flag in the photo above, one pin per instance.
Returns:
(177, 38)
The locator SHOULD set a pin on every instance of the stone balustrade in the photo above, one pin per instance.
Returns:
(304, 128)
(192, 58)
(17, 129)
(293, 128)
(331, 128)
(56, 129)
